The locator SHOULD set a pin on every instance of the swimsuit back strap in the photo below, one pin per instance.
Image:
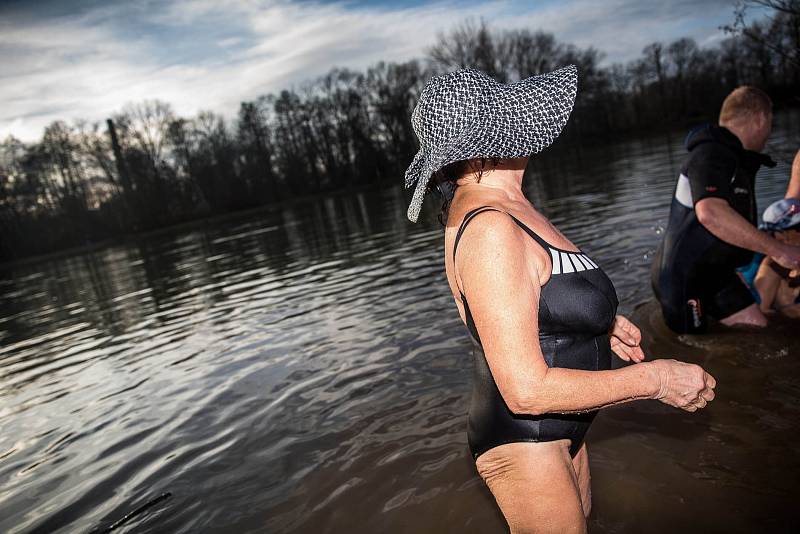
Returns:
(471, 215)
(467, 218)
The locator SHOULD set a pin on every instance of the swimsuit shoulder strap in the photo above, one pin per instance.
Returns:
(473, 212)
(468, 217)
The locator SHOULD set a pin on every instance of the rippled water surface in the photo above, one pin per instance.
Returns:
(304, 369)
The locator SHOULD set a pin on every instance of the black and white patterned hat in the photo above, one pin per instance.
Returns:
(467, 114)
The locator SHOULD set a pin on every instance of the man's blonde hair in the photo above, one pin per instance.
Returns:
(743, 103)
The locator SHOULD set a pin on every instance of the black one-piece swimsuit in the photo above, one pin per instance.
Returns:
(577, 306)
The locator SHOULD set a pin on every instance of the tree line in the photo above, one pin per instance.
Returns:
(147, 168)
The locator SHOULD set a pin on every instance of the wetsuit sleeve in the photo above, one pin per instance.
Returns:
(710, 169)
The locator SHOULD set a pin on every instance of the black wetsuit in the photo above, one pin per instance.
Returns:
(694, 273)
(577, 306)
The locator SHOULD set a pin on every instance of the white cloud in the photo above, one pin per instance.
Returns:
(10, 128)
(204, 54)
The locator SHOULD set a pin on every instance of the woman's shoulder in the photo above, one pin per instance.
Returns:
(490, 227)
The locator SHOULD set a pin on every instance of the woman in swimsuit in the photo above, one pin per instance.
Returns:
(541, 314)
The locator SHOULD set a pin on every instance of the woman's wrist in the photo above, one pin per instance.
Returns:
(655, 379)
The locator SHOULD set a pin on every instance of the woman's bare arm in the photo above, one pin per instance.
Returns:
(501, 276)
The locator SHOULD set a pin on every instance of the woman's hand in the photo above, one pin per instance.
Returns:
(684, 385)
(625, 339)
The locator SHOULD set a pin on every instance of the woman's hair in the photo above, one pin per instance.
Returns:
(447, 177)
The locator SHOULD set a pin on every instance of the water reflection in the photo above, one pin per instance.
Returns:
(302, 368)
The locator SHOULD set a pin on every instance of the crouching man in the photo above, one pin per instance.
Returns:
(712, 222)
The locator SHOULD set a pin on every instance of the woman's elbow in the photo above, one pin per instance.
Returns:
(524, 402)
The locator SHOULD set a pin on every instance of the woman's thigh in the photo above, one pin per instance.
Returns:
(535, 486)
(581, 465)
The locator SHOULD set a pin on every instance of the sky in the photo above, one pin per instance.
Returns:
(86, 59)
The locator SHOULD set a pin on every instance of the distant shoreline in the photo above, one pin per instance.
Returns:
(554, 152)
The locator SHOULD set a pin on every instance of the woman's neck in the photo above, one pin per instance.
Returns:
(504, 179)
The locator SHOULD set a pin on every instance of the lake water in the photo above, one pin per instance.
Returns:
(304, 369)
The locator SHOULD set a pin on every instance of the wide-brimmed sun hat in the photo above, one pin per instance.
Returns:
(782, 215)
(467, 114)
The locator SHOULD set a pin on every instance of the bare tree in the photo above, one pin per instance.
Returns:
(348, 128)
(469, 44)
(654, 60)
(783, 38)
(146, 125)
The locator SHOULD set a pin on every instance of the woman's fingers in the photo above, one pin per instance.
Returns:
(635, 333)
(705, 396)
(626, 330)
(710, 381)
(620, 349)
(635, 354)
(624, 351)
(626, 336)
(622, 355)
(685, 386)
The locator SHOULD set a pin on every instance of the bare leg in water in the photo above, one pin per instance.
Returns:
(538, 487)
(581, 465)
